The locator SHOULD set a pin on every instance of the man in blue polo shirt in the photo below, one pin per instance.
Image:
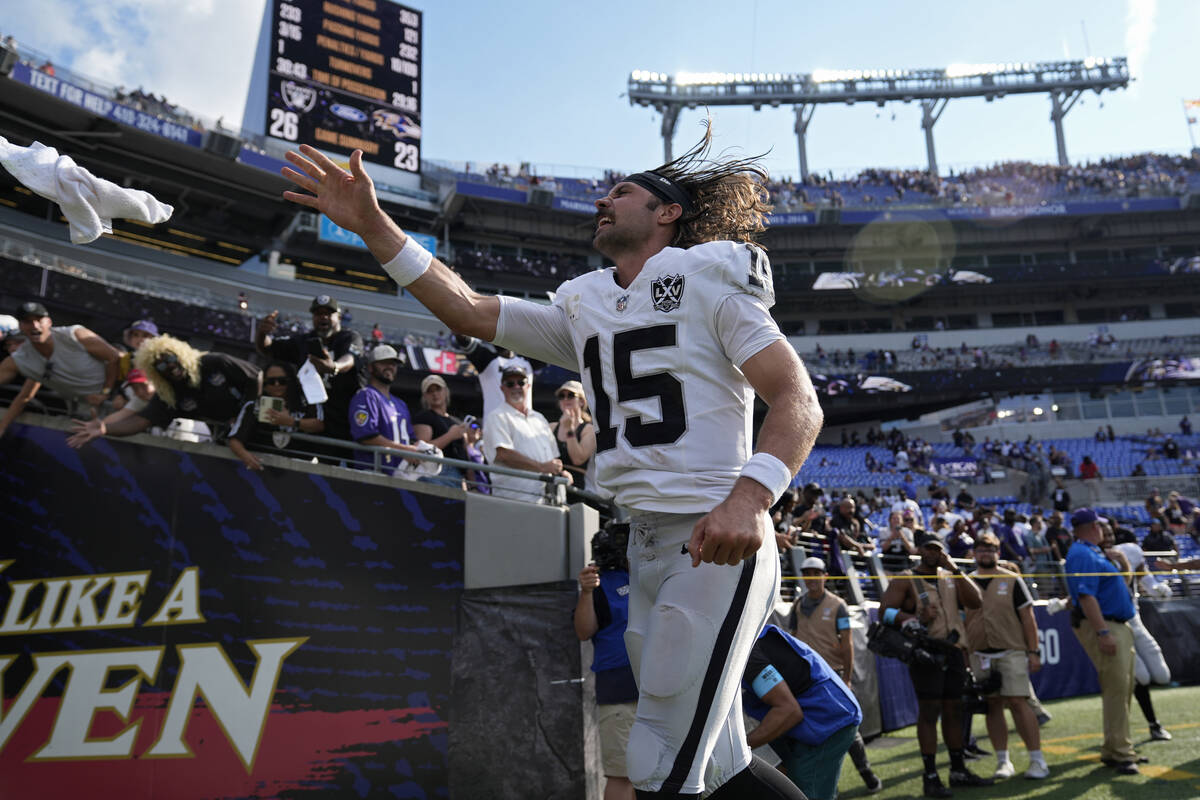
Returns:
(1103, 607)
(806, 712)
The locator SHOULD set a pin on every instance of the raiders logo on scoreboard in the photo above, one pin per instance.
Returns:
(667, 292)
(298, 96)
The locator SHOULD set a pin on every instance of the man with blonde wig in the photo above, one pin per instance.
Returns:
(188, 383)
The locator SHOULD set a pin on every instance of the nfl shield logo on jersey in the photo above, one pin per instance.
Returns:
(666, 292)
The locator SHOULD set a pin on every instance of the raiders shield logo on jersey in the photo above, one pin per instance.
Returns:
(667, 292)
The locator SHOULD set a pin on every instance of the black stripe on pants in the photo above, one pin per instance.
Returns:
(712, 677)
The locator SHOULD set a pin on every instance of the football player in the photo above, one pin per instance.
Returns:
(673, 343)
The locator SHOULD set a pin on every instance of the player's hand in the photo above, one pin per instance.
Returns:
(81, 432)
(733, 530)
(1108, 644)
(589, 578)
(1035, 662)
(268, 324)
(347, 198)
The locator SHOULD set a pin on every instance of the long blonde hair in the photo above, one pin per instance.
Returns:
(152, 349)
(729, 198)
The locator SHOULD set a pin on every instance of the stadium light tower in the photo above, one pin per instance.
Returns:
(1064, 82)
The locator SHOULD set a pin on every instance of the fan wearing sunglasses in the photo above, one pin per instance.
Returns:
(188, 384)
(574, 432)
(261, 426)
(516, 435)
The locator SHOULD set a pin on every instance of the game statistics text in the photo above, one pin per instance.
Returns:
(346, 75)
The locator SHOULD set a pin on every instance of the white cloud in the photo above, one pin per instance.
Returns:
(196, 53)
(1140, 18)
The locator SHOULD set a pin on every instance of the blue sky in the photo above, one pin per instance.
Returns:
(542, 81)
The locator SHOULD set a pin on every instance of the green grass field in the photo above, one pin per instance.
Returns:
(1071, 743)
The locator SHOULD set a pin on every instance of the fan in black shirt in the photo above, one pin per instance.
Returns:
(335, 352)
(272, 435)
(188, 383)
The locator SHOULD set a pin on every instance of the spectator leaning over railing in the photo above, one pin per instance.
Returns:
(133, 337)
(515, 435)
(137, 392)
(69, 359)
(264, 424)
(188, 384)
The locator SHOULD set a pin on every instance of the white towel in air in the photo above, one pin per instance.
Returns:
(90, 204)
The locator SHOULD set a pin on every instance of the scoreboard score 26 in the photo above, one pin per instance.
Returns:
(345, 75)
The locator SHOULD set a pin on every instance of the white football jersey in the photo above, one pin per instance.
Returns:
(659, 361)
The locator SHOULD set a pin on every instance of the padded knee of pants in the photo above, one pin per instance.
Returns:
(676, 651)
(647, 758)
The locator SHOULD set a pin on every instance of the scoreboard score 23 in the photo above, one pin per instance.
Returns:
(346, 75)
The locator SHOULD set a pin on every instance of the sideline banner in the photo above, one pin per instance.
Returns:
(175, 626)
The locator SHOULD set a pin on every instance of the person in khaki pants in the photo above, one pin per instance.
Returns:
(1103, 608)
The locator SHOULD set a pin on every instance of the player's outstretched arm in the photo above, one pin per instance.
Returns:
(732, 531)
(349, 200)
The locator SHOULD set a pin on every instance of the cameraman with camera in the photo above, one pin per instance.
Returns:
(601, 615)
(1004, 649)
(926, 609)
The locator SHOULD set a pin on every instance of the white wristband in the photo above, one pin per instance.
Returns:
(409, 264)
(770, 472)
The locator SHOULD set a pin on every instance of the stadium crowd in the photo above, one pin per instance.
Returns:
(1007, 183)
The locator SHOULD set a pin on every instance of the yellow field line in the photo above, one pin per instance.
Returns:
(1081, 736)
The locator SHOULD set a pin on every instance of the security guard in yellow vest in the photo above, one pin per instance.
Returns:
(1003, 637)
(823, 623)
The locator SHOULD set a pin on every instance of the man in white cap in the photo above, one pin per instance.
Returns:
(823, 623)
(377, 417)
(516, 435)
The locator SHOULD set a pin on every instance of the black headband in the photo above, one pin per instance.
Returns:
(663, 188)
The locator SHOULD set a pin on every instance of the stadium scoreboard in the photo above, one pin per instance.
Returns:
(346, 75)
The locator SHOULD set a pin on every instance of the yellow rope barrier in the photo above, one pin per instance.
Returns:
(911, 576)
